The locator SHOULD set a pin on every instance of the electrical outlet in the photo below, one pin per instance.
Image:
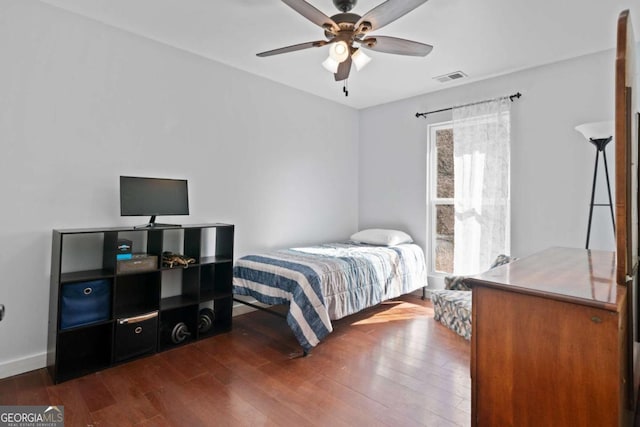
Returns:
(1, 312)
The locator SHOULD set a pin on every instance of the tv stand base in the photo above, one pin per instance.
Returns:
(157, 225)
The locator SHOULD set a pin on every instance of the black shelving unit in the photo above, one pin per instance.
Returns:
(157, 298)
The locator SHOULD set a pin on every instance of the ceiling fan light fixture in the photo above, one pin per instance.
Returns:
(339, 51)
(346, 32)
(330, 64)
(360, 59)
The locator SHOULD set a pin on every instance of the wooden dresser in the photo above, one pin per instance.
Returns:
(549, 343)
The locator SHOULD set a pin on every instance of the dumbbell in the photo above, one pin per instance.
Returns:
(207, 316)
(180, 333)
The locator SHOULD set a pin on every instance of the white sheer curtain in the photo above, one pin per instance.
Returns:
(481, 135)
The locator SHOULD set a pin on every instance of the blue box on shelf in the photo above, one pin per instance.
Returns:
(83, 303)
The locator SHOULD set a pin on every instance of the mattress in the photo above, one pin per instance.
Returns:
(330, 281)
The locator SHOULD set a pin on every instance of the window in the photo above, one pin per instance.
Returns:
(440, 185)
(468, 168)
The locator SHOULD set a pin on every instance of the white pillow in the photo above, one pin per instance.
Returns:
(381, 237)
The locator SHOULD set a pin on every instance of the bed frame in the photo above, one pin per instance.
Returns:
(311, 330)
(273, 312)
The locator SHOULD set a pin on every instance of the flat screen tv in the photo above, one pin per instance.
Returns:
(153, 197)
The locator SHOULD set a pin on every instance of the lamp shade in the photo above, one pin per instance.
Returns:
(596, 130)
(330, 65)
(360, 59)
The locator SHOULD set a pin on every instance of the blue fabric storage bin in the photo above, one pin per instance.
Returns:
(82, 303)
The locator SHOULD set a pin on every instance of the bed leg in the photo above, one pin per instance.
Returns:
(299, 354)
(424, 293)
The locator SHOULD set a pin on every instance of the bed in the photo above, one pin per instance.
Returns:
(329, 281)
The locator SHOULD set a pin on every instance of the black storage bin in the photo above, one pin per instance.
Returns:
(136, 336)
(82, 303)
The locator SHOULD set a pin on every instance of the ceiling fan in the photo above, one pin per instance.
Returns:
(347, 33)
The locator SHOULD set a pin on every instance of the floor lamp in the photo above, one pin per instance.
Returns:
(599, 134)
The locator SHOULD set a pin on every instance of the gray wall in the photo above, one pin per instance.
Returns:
(552, 164)
(83, 103)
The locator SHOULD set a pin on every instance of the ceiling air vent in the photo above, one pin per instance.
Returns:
(451, 76)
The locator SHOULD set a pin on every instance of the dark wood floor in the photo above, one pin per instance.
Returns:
(390, 365)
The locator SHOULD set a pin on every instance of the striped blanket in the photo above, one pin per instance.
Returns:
(327, 282)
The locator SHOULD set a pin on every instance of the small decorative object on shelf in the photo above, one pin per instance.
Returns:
(169, 259)
(125, 247)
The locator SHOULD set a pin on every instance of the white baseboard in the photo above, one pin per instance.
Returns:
(239, 308)
(22, 365)
(36, 361)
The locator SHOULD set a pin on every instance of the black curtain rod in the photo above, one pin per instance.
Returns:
(515, 95)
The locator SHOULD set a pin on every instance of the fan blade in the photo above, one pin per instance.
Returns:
(395, 45)
(312, 14)
(343, 69)
(385, 13)
(292, 48)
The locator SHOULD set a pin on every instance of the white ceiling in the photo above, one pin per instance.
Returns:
(483, 38)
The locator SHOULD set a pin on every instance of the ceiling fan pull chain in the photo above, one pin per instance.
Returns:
(345, 89)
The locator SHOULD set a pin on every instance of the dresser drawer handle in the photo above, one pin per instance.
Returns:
(138, 329)
(87, 291)
(596, 319)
